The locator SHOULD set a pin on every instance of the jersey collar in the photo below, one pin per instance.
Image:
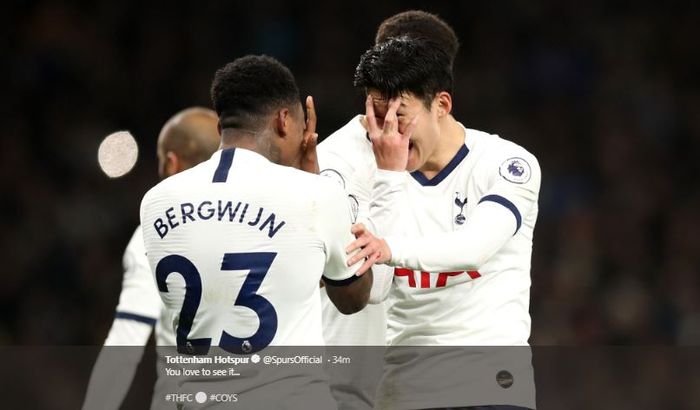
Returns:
(456, 160)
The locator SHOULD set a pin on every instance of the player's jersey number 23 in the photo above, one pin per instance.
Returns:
(258, 264)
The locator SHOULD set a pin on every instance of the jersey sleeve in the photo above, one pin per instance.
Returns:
(382, 278)
(139, 301)
(510, 191)
(512, 181)
(333, 224)
(356, 185)
(388, 200)
(139, 306)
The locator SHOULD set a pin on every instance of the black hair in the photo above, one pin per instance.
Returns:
(420, 24)
(403, 64)
(251, 87)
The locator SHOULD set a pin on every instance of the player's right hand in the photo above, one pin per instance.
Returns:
(371, 248)
(390, 146)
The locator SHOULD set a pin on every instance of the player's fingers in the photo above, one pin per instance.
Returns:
(365, 252)
(394, 105)
(357, 229)
(309, 159)
(310, 115)
(358, 243)
(366, 265)
(311, 142)
(391, 121)
(410, 128)
(372, 126)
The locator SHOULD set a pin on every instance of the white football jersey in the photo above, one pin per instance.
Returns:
(238, 246)
(139, 309)
(346, 157)
(249, 240)
(461, 243)
(139, 301)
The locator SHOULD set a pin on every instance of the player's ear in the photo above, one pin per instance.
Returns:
(173, 165)
(443, 100)
(282, 122)
(218, 127)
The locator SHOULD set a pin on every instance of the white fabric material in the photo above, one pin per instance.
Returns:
(489, 227)
(462, 275)
(312, 224)
(346, 158)
(115, 367)
(254, 207)
(139, 294)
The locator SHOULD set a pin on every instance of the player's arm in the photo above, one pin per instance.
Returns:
(388, 202)
(336, 169)
(348, 292)
(390, 147)
(494, 221)
(350, 298)
(139, 305)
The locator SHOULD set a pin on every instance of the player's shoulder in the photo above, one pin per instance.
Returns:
(500, 155)
(493, 147)
(313, 184)
(289, 179)
(183, 181)
(136, 242)
(492, 144)
(350, 139)
(135, 248)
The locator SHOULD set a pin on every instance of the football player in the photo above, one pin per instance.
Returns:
(346, 157)
(458, 229)
(239, 243)
(186, 139)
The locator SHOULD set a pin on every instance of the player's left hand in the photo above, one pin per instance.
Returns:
(389, 144)
(309, 158)
(371, 248)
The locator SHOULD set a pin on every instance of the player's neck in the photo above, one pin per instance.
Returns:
(244, 140)
(450, 140)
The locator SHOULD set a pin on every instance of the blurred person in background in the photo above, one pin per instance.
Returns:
(186, 139)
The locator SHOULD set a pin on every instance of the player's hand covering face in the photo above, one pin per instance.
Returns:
(372, 249)
(309, 158)
(389, 144)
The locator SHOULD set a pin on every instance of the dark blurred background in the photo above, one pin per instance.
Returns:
(605, 93)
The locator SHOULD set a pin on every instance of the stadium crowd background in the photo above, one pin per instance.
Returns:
(605, 93)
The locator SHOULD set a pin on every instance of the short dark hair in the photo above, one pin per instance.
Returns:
(404, 64)
(250, 87)
(420, 24)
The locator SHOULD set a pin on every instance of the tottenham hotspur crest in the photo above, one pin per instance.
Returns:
(460, 203)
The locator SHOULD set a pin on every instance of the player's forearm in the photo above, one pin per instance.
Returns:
(385, 206)
(111, 377)
(353, 297)
(129, 332)
(486, 231)
(116, 365)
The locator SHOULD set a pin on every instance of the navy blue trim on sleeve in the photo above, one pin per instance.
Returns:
(423, 180)
(137, 318)
(221, 173)
(501, 200)
(343, 282)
